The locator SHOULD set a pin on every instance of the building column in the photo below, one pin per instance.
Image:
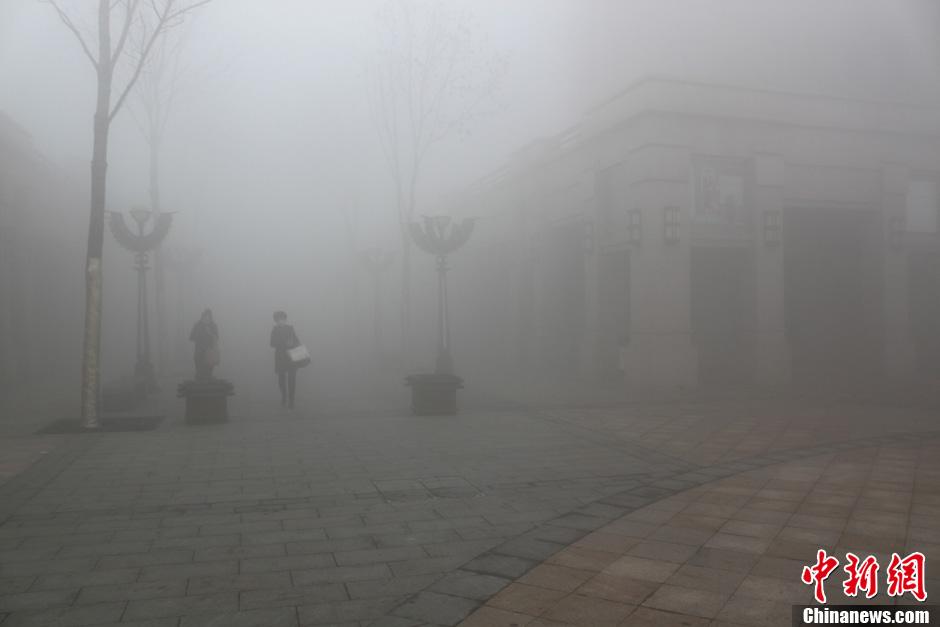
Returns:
(771, 351)
(660, 354)
(589, 347)
(899, 346)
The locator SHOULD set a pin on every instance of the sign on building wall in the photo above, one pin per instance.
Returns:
(719, 191)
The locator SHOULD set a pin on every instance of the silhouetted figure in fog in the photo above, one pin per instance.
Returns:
(284, 338)
(206, 335)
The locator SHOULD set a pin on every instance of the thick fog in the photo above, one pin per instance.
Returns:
(272, 165)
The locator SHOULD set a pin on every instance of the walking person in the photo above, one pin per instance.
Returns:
(284, 338)
(205, 334)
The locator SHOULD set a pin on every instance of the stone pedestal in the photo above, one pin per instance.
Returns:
(206, 401)
(433, 394)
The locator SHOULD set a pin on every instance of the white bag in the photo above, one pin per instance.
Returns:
(299, 357)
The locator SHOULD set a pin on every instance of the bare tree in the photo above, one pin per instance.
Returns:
(429, 80)
(160, 83)
(138, 25)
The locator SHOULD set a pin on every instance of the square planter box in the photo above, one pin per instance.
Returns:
(206, 401)
(433, 394)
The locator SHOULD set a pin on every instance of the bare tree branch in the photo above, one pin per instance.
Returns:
(71, 26)
(423, 86)
(130, 10)
(166, 19)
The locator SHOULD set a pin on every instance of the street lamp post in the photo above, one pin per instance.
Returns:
(436, 394)
(439, 237)
(141, 245)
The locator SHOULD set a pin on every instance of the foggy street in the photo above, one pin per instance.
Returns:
(489, 313)
(350, 511)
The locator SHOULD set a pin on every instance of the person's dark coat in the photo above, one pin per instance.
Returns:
(205, 335)
(283, 337)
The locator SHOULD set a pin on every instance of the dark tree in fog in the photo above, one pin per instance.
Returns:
(159, 84)
(136, 25)
(429, 79)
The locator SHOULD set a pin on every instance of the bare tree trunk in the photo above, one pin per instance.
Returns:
(91, 348)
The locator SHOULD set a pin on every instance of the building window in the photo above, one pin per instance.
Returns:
(772, 227)
(671, 225)
(634, 226)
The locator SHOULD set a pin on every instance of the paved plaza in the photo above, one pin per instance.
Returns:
(531, 507)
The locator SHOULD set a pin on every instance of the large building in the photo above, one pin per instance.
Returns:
(688, 234)
(41, 263)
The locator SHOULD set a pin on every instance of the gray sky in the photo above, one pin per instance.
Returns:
(260, 157)
(287, 73)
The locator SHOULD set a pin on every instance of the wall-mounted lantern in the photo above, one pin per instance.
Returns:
(671, 225)
(772, 227)
(896, 232)
(634, 226)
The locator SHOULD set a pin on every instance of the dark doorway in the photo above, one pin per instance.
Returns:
(613, 311)
(834, 295)
(563, 299)
(923, 284)
(719, 283)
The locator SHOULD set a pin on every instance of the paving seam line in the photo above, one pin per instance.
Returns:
(578, 523)
(20, 489)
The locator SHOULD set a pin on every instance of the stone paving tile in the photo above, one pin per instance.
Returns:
(399, 586)
(664, 551)
(339, 612)
(617, 588)
(308, 499)
(755, 612)
(642, 568)
(576, 609)
(186, 571)
(130, 592)
(709, 579)
(649, 617)
(465, 549)
(181, 606)
(292, 596)
(556, 577)
(377, 556)
(494, 617)
(738, 543)
(14, 585)
(435, 608)
(340, 574)
(677, 535)
(97, 614)
(279, 617)
(56, 581)
(468, 585)
(287, 563)
(756, 586)
(526, 599)
(584, 558)
(408, 568)
(35, 600)
(260, 581)
(687, 601)
(48, 567)
(239, 552)
(156, 622)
